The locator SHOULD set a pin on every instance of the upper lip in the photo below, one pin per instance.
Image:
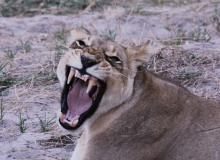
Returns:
(92, 81)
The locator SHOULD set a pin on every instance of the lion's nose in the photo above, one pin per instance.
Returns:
(87, 62)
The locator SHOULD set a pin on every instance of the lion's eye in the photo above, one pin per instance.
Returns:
(79, 44)
(115, 59)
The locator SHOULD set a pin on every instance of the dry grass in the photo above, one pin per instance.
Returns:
(60, 43)
(110, 34)
(5, 78)
(30, 8)
(24, 46)
(58, 142)
(187, 68)
(22, 123)
(2, 110)
(46, 123)
(181, 36)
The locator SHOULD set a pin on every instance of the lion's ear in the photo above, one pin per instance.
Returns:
(138, 55)
(77, 34)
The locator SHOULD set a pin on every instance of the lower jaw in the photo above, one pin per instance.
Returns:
(67, 126)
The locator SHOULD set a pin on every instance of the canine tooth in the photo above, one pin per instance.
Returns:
(75, 122)
(62, 117)
(68, 122)
(92, 82)
(85, 77)
(77, 74)
(71, 74)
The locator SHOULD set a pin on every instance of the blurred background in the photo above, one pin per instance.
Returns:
(185, 47)
(60, 7)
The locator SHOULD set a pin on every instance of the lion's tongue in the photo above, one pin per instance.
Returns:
(78, 100)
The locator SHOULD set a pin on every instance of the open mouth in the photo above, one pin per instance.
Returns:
(81, 96)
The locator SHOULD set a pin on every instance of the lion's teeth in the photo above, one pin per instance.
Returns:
(75, 122)
(89, 87)
(82, 77)
(77, 74)
(66, 121)
(62, 117)
(71, 74)
(92, 82)
(85, 77)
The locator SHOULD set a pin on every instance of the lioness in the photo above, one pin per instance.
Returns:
(128, 113)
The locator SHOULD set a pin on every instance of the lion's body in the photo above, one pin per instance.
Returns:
(140, 116)
(161, 121)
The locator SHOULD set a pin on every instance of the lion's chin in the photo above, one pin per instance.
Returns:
(80, 98)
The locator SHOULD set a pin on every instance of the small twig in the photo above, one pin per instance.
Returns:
(89, 7)
(2, 109)
(21, 124)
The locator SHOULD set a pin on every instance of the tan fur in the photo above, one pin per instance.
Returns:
(141, 116)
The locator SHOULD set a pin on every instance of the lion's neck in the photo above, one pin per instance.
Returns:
(159, 111)
(102, 118)
(100, 122)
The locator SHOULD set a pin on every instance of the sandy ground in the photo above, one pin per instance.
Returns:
(185, 44)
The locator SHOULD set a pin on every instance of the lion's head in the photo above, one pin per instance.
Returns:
(96, 75)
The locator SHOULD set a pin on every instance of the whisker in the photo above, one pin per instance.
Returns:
(118, 73)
